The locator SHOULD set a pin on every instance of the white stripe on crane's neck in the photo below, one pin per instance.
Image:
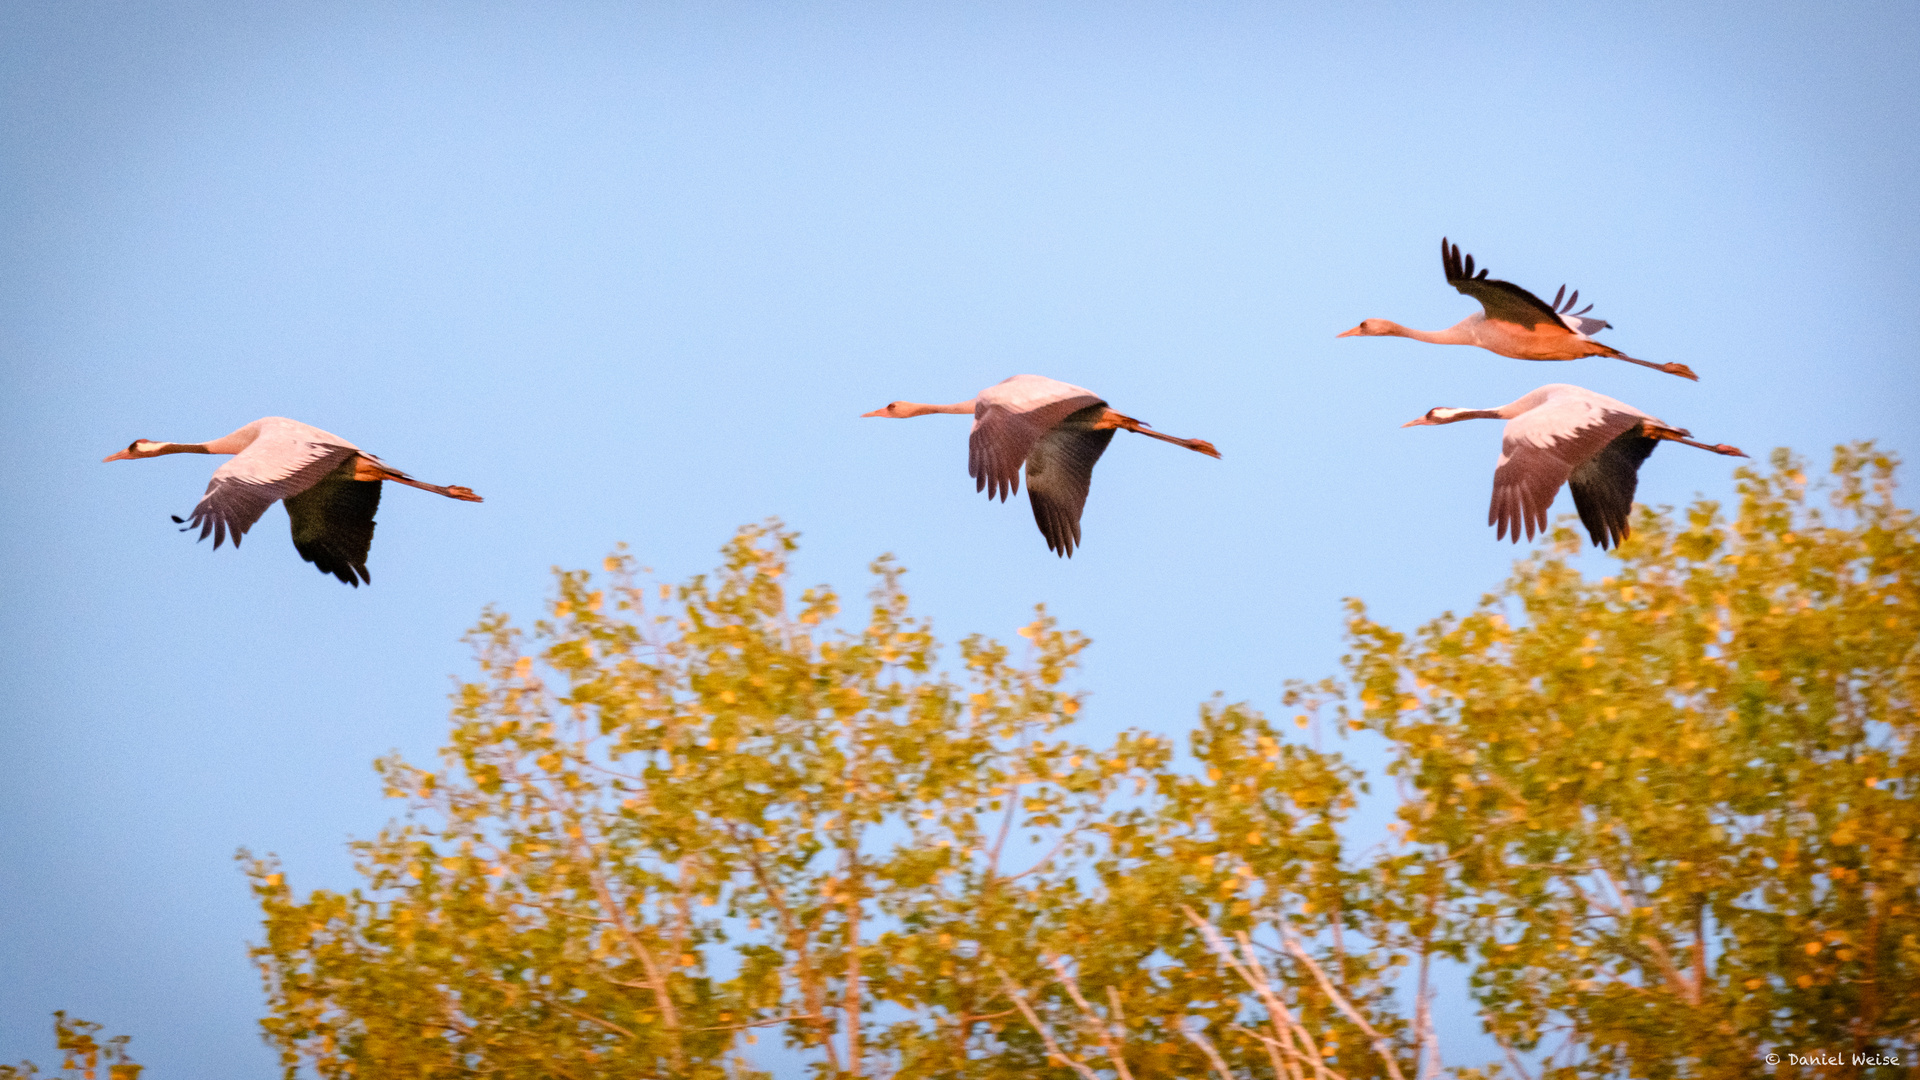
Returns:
(155, 449)
(1449, 416)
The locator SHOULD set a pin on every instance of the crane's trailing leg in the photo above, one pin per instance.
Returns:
(1111, 419)
(1679, 435)
(1681, 370)
(364, 469)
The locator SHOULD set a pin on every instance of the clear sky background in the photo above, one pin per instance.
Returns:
(632, 272)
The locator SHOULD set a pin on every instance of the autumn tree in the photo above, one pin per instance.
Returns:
(1674, 805)
(682, 819)
(1665, 816)
(670, 822)
(82, 1054)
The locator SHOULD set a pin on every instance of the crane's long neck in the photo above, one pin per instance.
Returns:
(1451, 416)
(157, 449)
(1452, 335)
(225, 444)
(958, 408)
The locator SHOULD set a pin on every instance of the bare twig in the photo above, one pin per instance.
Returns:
(1686, 991)
(608, 1024)
(1320, 1068)
(1380, 1044)
(851, 991)
(796, 932)
(788, 1019)
(1044, 859)
(1006, 826)
(851, 997)
(1425, 1045)
(1199, 1040)
(555, 909)
(658, 978)
(1619, 895)
(1254, 974)
(1278, 1055)
(1099, 1027)
(1046, 1033)
(1689, 993)
(1311, 1054)
(1699, 949)
(1513, 1059)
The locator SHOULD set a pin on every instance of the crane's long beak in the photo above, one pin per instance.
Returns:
(1419, 422)
(877, 412)
(123, 455)
(1355, 332)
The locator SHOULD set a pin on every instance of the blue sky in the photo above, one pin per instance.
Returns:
(632, 272)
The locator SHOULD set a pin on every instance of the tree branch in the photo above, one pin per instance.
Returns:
(1277, 1011)
(1006, 826)
(1046, 1033)
(669, 1014)
(1199, 1040)
(1513, 1059)
(1100, 1029)
(591, 1019)
(1380, 1044)
(796, 935)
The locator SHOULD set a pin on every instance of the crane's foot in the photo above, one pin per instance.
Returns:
(1681, 370)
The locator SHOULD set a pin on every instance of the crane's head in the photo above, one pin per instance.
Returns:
(898, 410)
(138, 448)
(1372, 328)
(1443, 416)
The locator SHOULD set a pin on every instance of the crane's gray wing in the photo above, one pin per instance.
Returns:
(1539, 449)
(274, 467)
(1503, 300)
(333, 523)
(1059, 472)
(1603, 486)
(1003, 437)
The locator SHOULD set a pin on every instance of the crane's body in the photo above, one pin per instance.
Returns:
(330, 486)
(1056, 430)
(1514, 322)
(1562, 434)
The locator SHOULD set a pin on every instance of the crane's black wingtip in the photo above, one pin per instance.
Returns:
(177, 519)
